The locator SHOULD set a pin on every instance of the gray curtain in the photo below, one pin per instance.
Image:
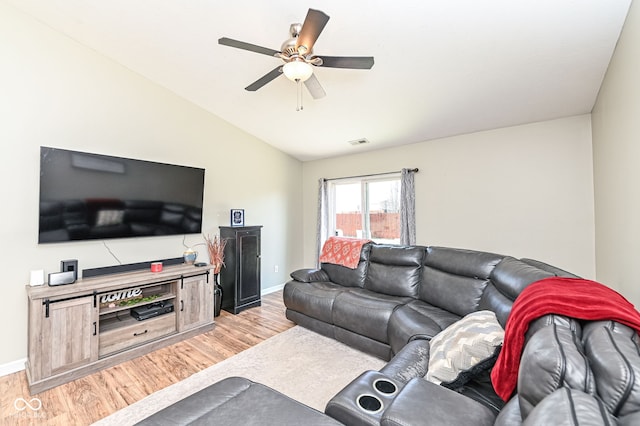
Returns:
(407, 208)
(322, 230)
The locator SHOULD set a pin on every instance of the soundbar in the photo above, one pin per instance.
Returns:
(117, 269)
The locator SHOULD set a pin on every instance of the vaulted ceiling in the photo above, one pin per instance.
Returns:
(442, 67)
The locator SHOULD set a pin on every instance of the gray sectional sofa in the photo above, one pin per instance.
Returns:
(398, 304)
(400, 297)
(401, 293)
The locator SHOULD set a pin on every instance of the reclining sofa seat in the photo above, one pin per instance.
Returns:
(354, 306)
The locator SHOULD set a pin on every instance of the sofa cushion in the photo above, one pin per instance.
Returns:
(465, 349)
(365, 312)
(549, 268)
(454, 279)
(468, 263)
(550, 319)
(510, 414)
(314, 299)
(552, 358)
(423, 403)
(457, 294)
(632, 419)
(395, 270)
(570, 407)
(614, 352)
(511, 276)
(417, 320)
(348, 277)
(508, 279)
(497, 302)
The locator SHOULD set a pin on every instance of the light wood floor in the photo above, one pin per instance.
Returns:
(91, 398)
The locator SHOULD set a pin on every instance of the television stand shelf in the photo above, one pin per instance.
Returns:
(78, 329)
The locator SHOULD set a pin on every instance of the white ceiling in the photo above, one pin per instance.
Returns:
(442, 67)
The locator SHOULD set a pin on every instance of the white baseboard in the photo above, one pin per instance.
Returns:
(272, 289)
(12, 367)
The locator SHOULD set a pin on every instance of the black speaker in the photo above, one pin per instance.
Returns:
(70, 265)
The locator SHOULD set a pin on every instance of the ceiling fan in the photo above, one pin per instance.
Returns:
(297, 54)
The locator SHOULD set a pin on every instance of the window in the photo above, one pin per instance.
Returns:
(366, 208)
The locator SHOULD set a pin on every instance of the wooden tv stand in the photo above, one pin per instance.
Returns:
(80, 328)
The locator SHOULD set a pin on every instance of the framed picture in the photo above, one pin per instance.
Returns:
(237, 217)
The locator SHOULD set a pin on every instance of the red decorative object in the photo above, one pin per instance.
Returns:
(573, 297)
(342, 251)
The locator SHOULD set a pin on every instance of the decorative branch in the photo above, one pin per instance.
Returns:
(215, 246)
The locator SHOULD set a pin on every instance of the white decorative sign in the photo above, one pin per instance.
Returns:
(120, 295)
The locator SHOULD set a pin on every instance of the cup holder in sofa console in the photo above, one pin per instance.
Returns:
(369, 403)
(385, 387)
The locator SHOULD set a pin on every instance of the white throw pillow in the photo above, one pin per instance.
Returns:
(465, 349)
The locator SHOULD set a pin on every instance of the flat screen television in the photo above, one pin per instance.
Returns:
(86, 196)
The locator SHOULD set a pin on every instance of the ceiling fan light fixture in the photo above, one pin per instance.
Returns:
(297, 70)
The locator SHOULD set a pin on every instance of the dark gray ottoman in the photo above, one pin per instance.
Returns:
(238, 401)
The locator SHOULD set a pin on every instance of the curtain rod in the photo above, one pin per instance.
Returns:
(415, 170)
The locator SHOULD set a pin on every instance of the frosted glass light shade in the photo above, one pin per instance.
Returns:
(297, 70)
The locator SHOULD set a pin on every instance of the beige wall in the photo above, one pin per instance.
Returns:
(55, 92)
(616, 152)
(525, 191)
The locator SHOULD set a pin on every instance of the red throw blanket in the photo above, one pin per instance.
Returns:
(573, 297)
(342, 251)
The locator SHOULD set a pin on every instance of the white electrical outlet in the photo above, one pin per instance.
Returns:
(275, 268)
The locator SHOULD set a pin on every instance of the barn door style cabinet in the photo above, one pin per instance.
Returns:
(240, 278)
(95, 323)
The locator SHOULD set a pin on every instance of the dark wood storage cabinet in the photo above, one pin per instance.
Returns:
(240, 278)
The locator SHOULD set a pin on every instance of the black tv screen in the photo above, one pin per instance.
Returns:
(87, 196)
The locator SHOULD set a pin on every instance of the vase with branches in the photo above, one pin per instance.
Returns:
(215, 247)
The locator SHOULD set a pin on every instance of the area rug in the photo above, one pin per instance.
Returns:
(302, 364)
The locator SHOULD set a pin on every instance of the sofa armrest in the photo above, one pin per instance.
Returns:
(412, 361)
(420, 400)
(310, 275)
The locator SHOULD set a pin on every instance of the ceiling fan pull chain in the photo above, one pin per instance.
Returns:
(299, 106)
(300, 91)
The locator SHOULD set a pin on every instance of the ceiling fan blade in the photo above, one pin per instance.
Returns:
(271, 75)
(354, 62)
(314, 87)
(246, 46)
(311, 28)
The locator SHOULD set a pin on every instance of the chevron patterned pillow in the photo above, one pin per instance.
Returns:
(465, 349)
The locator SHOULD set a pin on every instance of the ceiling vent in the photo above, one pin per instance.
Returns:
(359, 141)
